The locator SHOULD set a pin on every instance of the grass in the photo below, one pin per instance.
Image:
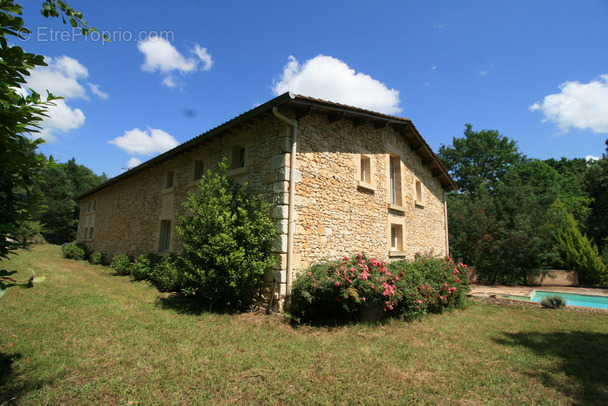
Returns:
(84, 336)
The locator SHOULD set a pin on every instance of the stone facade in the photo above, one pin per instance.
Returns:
(361, 186)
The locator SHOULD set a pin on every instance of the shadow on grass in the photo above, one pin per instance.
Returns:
(8, 390)
(188, 305)
(583, 359)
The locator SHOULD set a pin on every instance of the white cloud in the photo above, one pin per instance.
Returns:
(161, 56)
(204, 56)
(133, 162)
(61, 77)
(592, 158)
(97, 91)
(579, 105)
(147, 142)
(328, 78)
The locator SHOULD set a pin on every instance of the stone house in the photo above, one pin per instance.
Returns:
(340, 179)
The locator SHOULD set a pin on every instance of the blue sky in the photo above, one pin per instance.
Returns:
(536, 71)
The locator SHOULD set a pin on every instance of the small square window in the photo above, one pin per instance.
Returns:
(169, 182)
(199, 168)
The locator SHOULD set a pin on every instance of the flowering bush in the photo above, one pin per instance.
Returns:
(96, 258)
(73, 250)
(359, 288)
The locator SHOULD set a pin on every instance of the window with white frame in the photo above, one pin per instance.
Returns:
(395, 197)
(396, 237)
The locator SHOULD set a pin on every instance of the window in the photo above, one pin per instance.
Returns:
(91, 233)
(165, 236)
(238, 157)
(395, 180)
(366, 169)
(199, 168)
(364, 166)
(419, 200)
(94, 205)
(396, 237)
(86, 233)
(169, 182)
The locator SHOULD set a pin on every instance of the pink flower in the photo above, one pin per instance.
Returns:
(337, 283)
(419, 301)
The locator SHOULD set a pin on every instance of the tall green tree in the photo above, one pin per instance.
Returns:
(20, 118)
(58, 216)
(480, 159)
(576, 251)
(596, 182)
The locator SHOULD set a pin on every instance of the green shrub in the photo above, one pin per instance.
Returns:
(553, 302)
(121, 264)
(73, 250)
(358, 288)
(96, 258)
(226, 242)
(166, 275)
(143, 266)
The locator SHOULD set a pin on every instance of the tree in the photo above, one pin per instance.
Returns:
(596, 182)
(480, 159)
(226, 241)
(20, 117)
(576, 251)
(58, 216)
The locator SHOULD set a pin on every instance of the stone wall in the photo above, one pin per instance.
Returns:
(126, 216)
(337, 216)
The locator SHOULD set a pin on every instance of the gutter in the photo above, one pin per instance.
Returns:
(445, 214)
(292, 195)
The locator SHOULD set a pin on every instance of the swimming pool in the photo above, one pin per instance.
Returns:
(572, 299)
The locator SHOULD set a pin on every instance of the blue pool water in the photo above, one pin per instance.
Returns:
(574, 299)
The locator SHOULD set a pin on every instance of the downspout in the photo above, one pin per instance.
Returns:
(292, 196)
(445, 214)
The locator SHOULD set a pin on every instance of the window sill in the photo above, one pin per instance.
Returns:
(366, 186)
(236, 172)
(194, 183)
(169, 190)
(419, 204)
(396, 207)
(396, 254)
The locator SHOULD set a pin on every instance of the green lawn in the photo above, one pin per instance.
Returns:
(84, 336)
